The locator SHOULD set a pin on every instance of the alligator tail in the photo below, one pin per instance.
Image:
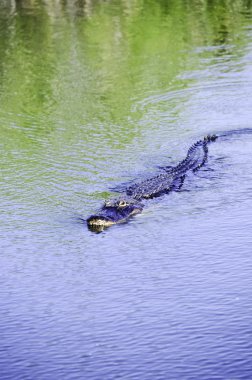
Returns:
(232, 133)
(210, 138)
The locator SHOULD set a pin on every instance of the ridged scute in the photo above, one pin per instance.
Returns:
(163, 183)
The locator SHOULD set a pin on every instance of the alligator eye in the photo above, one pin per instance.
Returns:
(122, 203)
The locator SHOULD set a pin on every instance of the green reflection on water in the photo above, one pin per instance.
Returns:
(74, 72)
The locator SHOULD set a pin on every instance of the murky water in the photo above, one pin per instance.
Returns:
(94, 94)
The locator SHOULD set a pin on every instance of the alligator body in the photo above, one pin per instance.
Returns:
(130, 202)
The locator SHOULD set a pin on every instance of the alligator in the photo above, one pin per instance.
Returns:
(130, 202)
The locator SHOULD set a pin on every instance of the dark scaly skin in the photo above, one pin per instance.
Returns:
(164, 183)
(129, 204)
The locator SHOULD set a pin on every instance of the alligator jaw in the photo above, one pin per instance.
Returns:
(97, 221)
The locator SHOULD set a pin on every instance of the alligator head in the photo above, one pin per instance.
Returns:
(113, 212)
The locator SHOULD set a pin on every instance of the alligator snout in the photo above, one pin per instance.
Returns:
(99, 220)
(114, 212)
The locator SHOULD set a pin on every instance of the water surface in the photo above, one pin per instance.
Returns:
(94, 94)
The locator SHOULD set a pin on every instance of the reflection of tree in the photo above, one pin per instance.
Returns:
(222, 27)
(28, 64)
(6, 9)
(87, 60)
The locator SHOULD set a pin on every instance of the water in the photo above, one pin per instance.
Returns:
(92, 95)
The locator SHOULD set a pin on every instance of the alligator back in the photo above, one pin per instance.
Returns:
(152, 187)
(174, 176)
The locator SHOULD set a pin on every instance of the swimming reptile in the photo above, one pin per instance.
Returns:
(129, 203)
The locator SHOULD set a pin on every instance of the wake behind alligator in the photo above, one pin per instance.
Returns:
(129, 203)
